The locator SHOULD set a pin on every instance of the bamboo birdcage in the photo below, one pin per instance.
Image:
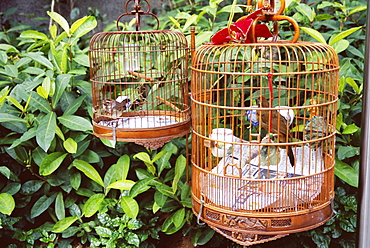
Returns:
(252, 104)
(140, 84)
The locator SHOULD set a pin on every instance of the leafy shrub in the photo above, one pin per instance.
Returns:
(61, 185)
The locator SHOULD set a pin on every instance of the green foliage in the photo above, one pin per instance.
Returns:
(61, 185)
(65, 184)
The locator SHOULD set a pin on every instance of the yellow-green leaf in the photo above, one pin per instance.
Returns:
(89, 171)
(315, 34)
(70, 145)
(92, 205)
(15, 103)
(63, 224)
(51, 162)
(7, 203)
(60, 20)
(122, 184)
(42, 92)
(129, 206)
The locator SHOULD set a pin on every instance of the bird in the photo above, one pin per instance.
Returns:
(274, 122)
(316, 127)
(115, 108)
(270, 155)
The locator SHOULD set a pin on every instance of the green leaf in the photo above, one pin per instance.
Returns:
(357, 9)
(169, 227)
(143, 156)
(92, 205)
(15, 103)
(38, 102)
(51, 163)
(5, 171)
(347, 152)
(63, 224)
(122, 167)
(31, 186)
(75, 122)
(178, 217)
(73, 107)
(350, 129)
(189, 22)
(10, 118)
(89, 171)
(202, 236)
(179, 171)
(346, 173)
(109, 143)
(41, 205)
(75, 180)
(82, 59)
(129, 206)
(122, 185)
(60, 20)
(307, 11)
(59, 206)
(103, 231)
(70, 145)
(33, 35)
(8, 48)
(61, 84)
(175, 22)
(10, 70)
(11, 188)
(80, 30)
(354, 85)
(45, 132)
(141, 186)
(40, 58)
(335, 38)
(340, 46)
(7, 203)
(89, 156)
(53, 31)
(42, 92)
(133, 239)
(315, 34)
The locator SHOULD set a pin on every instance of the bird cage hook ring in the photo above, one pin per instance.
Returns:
(268, 14)
(269, 6)
(137, 12)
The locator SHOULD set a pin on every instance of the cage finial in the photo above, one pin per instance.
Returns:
(137, 12)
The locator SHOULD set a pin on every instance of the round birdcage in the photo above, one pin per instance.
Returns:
(140, 85)
(263, 121)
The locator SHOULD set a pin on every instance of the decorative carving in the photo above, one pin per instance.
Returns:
(244, 222)
(153, 144)
(247, 239)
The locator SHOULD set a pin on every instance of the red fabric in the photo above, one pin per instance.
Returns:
(240, 31)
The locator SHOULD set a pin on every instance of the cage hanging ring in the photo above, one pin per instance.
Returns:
(269, 6)
(275, 18)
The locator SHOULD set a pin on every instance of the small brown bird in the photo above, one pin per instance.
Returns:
(274, 122)
(116, 107)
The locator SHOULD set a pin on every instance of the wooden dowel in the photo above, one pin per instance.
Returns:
(141, 75)
(168, 103)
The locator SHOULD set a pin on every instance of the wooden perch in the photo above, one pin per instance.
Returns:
(141, 75)
(168, 103)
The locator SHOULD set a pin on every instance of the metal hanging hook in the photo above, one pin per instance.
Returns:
(137, 12)
(269, 14)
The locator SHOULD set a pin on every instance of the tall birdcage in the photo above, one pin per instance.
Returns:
(263, 120)
(140, 84)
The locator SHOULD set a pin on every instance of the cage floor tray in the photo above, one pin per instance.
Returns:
(151, 131)
(141, 122)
